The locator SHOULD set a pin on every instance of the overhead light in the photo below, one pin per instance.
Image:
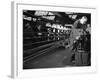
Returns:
(68, 12)
(41, 13)
(58, 26)
(54, 26)
(49, 17)
(50, 13)
(74, 16)
(48, 24)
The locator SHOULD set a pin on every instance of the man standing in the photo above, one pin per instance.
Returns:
(78, 29)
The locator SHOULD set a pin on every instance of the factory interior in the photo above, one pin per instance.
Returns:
(54, 39)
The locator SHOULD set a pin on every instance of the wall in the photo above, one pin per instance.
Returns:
(5, 38)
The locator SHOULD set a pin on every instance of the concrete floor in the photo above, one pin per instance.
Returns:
(59, 57)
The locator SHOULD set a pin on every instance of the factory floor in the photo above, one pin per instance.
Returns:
(60, 57)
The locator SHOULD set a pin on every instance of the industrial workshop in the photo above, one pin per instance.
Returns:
(54, 39)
